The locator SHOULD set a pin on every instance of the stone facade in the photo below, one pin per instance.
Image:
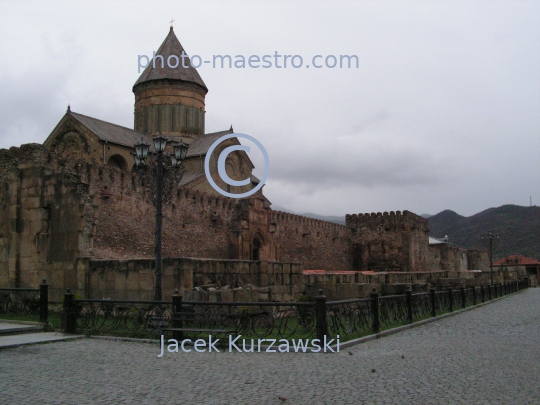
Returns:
(56, 210)
(389, 241)
(169, 109)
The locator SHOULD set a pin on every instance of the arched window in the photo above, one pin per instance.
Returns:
(118, 161)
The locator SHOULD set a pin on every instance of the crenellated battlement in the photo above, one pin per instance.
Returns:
(387, 220)
(278, 216)
(33, 153)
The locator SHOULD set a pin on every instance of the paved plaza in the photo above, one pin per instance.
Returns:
(489, 355)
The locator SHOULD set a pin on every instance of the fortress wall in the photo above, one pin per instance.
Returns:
(56, 212)
(448, 257)
(315, 243)
(194, 224)
(392, 241)
(478, 259)
(41, 215)
(133, 279)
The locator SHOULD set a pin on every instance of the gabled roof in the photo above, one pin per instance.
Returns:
(522, 261)
(109, 132)
(202, 143)
(188, 177)
(171, 46)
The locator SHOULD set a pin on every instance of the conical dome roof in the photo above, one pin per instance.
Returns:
(171, 46)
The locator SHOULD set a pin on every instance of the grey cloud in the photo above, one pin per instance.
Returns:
(442, 112)
(362, 161)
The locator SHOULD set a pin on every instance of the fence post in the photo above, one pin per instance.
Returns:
(177, 317)
(376, 323)
(320, 311)
(462, 289)
(44, 301)
(483, 293)
(489, 292)
(450, 300)
(474, 295)
(408, 301)
(69, 312)
(433, 303)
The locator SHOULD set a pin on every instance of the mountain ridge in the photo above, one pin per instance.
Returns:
(518, 226)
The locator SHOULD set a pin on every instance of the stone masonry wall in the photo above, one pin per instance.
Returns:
(134, 279)
(242, 281)
(194, 224)
(42, 212)
(315, 243)
(389, 242)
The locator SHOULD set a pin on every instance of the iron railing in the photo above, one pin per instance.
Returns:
(350, 317)
(25, 302)
(192, 319)
(392, 310)
(116, 317)
(258, 320)
(347, 319)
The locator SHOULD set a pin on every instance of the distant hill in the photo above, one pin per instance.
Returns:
(518, 226)
(426, 215)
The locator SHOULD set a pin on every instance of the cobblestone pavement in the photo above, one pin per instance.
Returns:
(489, 355)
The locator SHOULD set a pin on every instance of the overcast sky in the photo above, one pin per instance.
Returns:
(443, 111)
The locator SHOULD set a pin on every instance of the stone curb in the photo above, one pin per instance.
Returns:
(22, 322)
(19, 344)
(125, 339)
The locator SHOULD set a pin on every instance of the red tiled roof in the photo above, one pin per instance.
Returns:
(522, 261)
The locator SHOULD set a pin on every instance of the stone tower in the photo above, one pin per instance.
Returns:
(170, 101)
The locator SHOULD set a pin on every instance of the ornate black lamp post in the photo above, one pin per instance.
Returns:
(160, 161)
(491, 236)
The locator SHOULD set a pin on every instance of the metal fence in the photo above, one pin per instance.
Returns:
(25, 302)
(278, 320)
(349, 318)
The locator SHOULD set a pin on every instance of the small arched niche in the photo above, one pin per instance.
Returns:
(257, 245)
(118, 161)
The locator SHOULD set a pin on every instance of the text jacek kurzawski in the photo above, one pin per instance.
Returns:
(240, 345)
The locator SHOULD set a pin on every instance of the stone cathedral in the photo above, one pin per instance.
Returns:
(74, 211)
(168, 102)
